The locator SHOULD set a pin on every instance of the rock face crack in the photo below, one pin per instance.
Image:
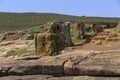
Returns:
(63, 67)
(67, 67)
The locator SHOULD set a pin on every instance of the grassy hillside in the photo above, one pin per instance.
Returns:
(17, 21)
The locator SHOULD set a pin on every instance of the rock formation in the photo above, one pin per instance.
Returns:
(66, 33)
(76, 65)
(80, 31)
(51, 42)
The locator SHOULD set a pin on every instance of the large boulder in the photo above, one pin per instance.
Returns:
(49, 43)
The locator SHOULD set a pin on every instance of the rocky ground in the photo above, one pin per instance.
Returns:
(75, 65)
(6, 46)
(102, 41)
(103, 47)
(48, 77)
(82, 62)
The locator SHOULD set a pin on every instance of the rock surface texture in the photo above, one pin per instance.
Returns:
(76, 65)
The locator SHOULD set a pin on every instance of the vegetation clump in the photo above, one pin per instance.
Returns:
(18, 51)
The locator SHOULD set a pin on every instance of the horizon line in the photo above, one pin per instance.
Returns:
(25, 12)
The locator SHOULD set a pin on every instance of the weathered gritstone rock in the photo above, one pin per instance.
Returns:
(48, 77)
(42, 66)
(76, 63)
(45, 65)
(95, 78)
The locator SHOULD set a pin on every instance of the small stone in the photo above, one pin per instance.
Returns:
(98, 42)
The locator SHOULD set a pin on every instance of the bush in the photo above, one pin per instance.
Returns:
(88, 29)
(38, 29)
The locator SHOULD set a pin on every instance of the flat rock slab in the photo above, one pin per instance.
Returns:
(76, 63)
(41, 66)
(95, 64)
(47, 77)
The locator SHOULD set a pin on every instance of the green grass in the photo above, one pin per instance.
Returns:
(73, 30)
(18, 52)
(14, 37)
(29, 31)
(19, 21)
(113, 35)
(37, 29)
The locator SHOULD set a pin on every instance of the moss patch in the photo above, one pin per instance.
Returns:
(49, 44)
